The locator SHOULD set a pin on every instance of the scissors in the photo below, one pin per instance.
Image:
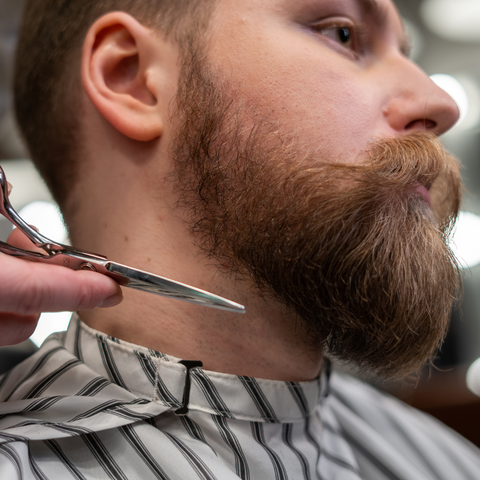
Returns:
(58, 254)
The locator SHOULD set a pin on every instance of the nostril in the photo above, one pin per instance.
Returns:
(425, 124)
(429, 124)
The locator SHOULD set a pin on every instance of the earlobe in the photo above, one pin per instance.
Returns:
(118, 73)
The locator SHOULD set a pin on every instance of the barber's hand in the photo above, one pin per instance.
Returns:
(27, 289)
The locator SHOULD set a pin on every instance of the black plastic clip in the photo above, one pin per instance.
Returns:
(189, 364)
(328, 373)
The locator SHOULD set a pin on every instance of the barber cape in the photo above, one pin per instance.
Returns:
(87, 406)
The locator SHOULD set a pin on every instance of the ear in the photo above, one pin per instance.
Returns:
(122, 75)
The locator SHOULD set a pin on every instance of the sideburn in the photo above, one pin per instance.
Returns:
(351, 251)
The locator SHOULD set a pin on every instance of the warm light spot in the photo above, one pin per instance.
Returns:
(473, 377)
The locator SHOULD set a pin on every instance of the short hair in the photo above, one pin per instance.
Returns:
(47, 72)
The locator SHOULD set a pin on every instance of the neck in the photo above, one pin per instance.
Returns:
(264, 342)
(252, 344)
(139, 225)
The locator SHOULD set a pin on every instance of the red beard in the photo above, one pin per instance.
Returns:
(353, 252)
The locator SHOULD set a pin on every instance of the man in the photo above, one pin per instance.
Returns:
(278, 153)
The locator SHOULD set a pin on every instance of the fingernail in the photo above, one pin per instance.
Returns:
(111, 301)
(9, 187)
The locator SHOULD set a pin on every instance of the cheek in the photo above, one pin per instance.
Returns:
(310, 91)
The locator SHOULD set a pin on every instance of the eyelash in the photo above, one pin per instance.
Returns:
(358, 33)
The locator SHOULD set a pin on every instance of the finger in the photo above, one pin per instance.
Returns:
(18, 239)
(16, 328)
(28, 288)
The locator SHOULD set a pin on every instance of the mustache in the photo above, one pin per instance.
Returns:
(391, 170)
(418, 158)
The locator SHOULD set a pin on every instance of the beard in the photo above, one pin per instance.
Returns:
(359, 261)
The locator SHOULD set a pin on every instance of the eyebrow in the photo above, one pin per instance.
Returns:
(379, 13)
(374, 9)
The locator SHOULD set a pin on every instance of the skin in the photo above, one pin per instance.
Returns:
(334, 98)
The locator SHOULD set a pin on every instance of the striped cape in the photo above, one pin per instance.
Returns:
(88, 406)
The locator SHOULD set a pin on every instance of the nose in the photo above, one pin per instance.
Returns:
(415, 102)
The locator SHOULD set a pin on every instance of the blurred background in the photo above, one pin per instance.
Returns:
(445, 37)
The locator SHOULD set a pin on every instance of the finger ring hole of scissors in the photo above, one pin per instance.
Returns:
(87, 266)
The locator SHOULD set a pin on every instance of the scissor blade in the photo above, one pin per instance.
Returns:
(148, 282)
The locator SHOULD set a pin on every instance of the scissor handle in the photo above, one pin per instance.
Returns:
(66, 257)
(9, 213)
(21, 253)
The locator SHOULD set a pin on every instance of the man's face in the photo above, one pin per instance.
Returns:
(278, 167)
(334, 70)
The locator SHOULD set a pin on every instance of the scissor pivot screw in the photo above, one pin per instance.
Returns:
(87, 266)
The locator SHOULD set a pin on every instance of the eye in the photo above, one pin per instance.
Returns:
(343, 35)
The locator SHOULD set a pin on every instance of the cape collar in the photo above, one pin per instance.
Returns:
(182, 383)
(83, 381)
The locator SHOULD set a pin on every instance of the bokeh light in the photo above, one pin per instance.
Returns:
(455, 20)
(49, 323)
(465, 240)
(46, 217)
(456, 90)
